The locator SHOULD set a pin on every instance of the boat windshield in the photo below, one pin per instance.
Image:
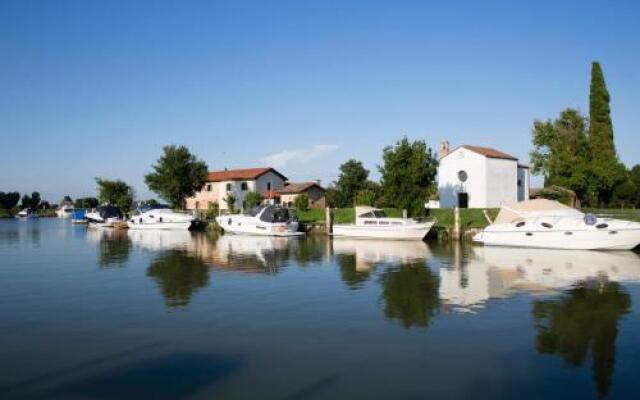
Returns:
(255, 210)
(274, 214)
(109, 212)
(374, 214)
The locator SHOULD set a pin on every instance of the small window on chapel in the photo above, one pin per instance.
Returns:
(228, 187)
(208, 187)
(244, 186)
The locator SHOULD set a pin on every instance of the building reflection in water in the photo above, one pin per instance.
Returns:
(478, 274)
(114, 246)
(583, 299)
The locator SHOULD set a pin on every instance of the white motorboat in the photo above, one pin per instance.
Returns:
(262, 220)
(549, 224)
(26, 213)
(104, 216)
(160, 217)
(374, 223)
(65, 208)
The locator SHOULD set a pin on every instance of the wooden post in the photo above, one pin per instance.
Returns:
(456, 223)
(328, 220)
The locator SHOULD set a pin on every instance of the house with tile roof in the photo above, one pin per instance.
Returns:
(291, 190)
(238, 182)
(480, 177)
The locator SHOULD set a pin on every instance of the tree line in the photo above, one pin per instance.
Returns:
(407, 179)
(578, 153)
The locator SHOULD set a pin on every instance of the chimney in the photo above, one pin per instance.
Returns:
(444, 148)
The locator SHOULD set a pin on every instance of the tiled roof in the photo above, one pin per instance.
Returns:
(298, 187)
(489, 152)
(240, 174)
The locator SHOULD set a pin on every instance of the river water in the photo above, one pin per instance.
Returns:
(99, 314)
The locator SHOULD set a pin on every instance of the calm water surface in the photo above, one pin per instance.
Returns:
(98, 314)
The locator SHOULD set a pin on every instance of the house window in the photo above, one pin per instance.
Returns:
(519, 182)
(228, 187)
(268, 185)
(208, 187)
(197, 205)
(244, 186)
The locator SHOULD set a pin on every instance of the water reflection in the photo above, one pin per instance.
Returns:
(478, 274)
(356, 258)
(178, 275)
(582, 323)
(410, 294)
(114, 246)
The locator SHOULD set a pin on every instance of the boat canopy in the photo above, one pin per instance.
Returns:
(533, 208)
(369, 212)
(274, 214)
(109, 212)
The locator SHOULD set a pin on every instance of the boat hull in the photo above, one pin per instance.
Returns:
(622, 239)
(394, 232)
(169, 226)
(248, 226)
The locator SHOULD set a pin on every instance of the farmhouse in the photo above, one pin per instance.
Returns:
(480, 177)
(237, 182)
(292, 190)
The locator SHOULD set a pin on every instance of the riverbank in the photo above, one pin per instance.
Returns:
(472, 220)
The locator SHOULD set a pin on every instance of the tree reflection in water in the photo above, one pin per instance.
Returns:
(410, 294)
(115, 247)
(179, 276)
(583, 322)
(351, 275)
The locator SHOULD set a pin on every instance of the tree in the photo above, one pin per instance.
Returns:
(608, 171)
(177, 175)
(230, 201)
(301, 202)
(115, 192)
(86, 202)
(625, 194)
(634, 175)
(353, 177)
(370, 195)
(9, 200)
(561, 153)
(32, 201)
(253, 199)
(213, 210)
(408, 171)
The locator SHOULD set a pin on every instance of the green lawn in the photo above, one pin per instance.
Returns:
(471, 218)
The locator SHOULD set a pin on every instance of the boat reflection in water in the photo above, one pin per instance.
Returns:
(498, 272)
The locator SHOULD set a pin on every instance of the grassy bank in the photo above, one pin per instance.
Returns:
(470, 218)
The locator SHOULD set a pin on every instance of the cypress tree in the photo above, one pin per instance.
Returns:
(606, 167)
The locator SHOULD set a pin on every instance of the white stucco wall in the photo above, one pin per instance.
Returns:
(449, 185)
(490, 182)
(502, 182)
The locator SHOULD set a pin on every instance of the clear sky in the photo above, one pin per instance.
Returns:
(96, 88)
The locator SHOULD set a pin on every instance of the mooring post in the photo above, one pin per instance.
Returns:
(404, 214)
(328, 220)
(456, 223)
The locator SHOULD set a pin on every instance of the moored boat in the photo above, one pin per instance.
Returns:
(549, 224)
(26, 213)
(264, 220)
(374, 223)
(160, 217)
(105, 216)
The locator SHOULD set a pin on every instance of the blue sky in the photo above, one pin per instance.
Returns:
(94, 88)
